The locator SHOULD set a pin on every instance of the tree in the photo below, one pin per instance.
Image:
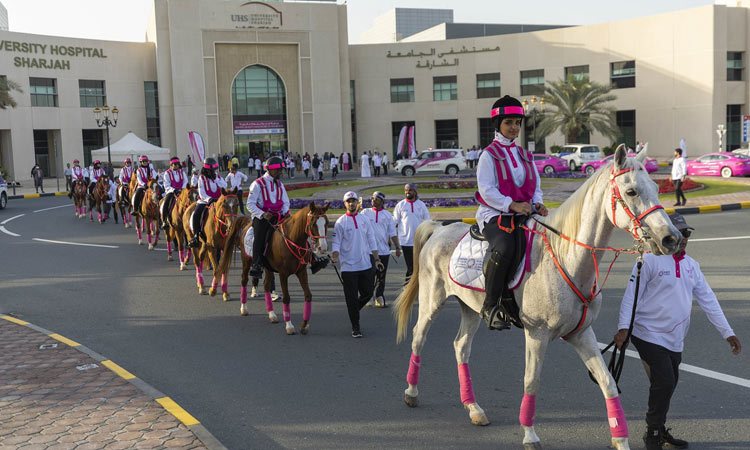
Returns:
(579, 106)
(6, 87)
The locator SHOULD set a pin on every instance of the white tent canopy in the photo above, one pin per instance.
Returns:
(131, 146)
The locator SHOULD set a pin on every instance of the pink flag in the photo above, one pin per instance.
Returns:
(412, 144)
(196, 146)
(401, 139)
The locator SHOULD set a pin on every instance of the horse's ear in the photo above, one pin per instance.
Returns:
(312, 205)
(641, 157)
(621, 155)
(223, 191)
(325, 207)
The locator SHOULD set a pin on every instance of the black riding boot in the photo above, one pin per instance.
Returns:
(495, 280)
(652, 438)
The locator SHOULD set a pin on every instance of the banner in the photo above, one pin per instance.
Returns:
(412, 144)
(260, 127)
(401, 139)
(196, 146)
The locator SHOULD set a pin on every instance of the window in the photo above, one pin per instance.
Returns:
(622, 74)
(444, 88)
(488, 85)
(402, 90)
(626, 122)
(92, 140)
(734, 66)
(734, 127)
(446, 133)
(153, 128)
(43, 91)
(486, 132)
(532, 82)
(396, 128)
(92, 93)
(578, 73)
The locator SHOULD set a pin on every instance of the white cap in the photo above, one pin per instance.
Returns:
(350, 194)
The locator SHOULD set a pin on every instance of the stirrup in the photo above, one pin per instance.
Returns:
(256, 270)
(494, 319)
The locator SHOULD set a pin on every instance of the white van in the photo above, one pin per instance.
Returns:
(579, 154)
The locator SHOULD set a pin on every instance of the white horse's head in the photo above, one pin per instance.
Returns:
(634, 203)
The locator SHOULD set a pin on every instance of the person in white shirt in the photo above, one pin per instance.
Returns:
(209, 190)
(377, 163)
(354, 245)
(334, 166)
(384, 161)
(364, 165)
(144, 173)
(258, 167)
(306, 167)
(194, 178)
(662, 316)
(77, 173)
(111, 198)
(234, 179)
(174, 180)
(291, 166)
(679, 173)
(250, 165)
(408, 214)
(320, 169)
(385, 232)
(94, 174)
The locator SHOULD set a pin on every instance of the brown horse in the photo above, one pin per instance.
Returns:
(101, 194)
(150, 214)
(220, 216)
(123, 202)
(175, 234)
(79, 198)
(291, 249)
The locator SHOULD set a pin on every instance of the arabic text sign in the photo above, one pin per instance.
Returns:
(260, 127)
(745, 128)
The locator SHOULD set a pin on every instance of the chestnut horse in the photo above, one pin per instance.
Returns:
(291, 246)
(175, 234)
(79, 197)
(150, 214)
(101, 195)
(220, 216)
(123, 202)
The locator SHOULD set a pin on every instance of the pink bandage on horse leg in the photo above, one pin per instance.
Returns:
(412, 376)
(148, 235)
(243, 294)
(307, 311)
(528, 408)
(214, 283)
(269, 302)
(618, 426)
(464, 379)
(287, 312)
(138, 230)
(224, 283)
(169, 247)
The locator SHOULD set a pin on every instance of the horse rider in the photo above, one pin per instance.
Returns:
(268, 203)
(234, 179)
(175, 181)
(78, 173)
(126, 174)
(384, 228)
(142, 177)
(209, 190)
(508, 184)
(96, 173)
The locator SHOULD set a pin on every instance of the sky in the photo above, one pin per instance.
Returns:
(126, 20)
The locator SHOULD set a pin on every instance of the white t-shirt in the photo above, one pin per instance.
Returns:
(407, 216)
(383, 226)
(679, 170)
(354, 239)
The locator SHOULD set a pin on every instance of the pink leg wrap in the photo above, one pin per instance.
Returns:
(169, 247)
(412, 376)
(243, 294)
(464, 379)
(528, 408)
(182, 255)
(269, 302)
(224, 283)
(617, 424)
(307, 311)
(99, 216)
(199, 273)
(138, 230)
(287, 312)
(214, 283)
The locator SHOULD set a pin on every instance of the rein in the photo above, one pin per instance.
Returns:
(226, 223)
(302, 254)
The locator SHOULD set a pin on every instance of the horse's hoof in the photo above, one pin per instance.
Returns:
(253, 292)
(411, 402)
(243, 310)
(169, 258)
(150, 246)
(304, 328)
(532, 446)
(479, 420)
(212, 292)
(140, 242)
(201, 291)
(290, 330)
(182, 265)
(272, 317)
(225, 296)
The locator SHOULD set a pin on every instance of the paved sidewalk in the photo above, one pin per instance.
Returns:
(49, 402)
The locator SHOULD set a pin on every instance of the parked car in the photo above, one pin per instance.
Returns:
(3, 193)
(742, 151)
(579, 154)
(726, 164)
(449, 161)
(550, 165)
(590, 167)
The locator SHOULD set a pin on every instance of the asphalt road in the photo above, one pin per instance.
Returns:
(256, 388)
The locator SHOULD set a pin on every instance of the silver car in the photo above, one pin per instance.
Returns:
(3, 192)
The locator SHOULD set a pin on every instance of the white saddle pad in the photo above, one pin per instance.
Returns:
(466, 262)
(248, 241)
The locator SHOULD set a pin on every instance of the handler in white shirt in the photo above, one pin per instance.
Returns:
(679, 172)
(354, 242)
(234, 179)
(385, 232)
(408, 214)
(662, 317)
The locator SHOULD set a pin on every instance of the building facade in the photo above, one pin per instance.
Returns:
(255, 77)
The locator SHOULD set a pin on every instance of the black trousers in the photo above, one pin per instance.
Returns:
(242, 200)
(197, 218)
(678, 191)
(662, 367)
(385, 169)
(169, 200)
(511, 246)
(358, 287)
(334, 172)
(380, 275)
(138, 198)
(261, 229)
(377, 171)
(408, 251)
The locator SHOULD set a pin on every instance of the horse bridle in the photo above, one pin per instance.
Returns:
(636, 221)
(225, 214)
(311, 219)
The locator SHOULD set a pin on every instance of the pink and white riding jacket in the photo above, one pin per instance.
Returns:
(267, 195)
(174, 180)
(126, 173)
(209, 189)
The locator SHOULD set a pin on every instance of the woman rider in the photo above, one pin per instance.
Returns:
(209, 190)
(508, 184)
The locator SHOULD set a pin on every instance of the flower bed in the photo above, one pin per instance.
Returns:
(667, 187)
(313, 184)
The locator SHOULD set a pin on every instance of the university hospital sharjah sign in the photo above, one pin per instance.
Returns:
(47, 56)
(258, 15)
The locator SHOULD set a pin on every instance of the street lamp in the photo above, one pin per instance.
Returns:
(721, 131)
(531, 105)
(109, 120)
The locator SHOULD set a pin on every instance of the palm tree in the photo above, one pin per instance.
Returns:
(6, 87)
(579, 106)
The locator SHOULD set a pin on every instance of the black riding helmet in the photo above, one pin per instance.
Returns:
(209, 165)
(505, 107)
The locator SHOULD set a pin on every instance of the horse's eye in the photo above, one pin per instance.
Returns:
(631, 192)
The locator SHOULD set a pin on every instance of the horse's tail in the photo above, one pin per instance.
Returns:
(405, 300)
(233, 235)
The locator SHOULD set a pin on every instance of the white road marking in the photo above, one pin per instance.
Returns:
(697, 370)
(2, 228)
(75, 243)
(54, 207)
(12, 218)
(720, 239)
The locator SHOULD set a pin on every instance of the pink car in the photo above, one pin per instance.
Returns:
(590, 167)
(725, 164)
(550, 165)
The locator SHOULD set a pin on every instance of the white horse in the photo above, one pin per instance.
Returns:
(621, 195)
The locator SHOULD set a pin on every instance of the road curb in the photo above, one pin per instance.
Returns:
(46, 194)
(192, 424)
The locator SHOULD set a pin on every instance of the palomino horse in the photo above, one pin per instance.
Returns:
(291, 248)
(620, 195)
(175, 234)
(150, 214)
(80, 194)
(219, 218)
(123, 202)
